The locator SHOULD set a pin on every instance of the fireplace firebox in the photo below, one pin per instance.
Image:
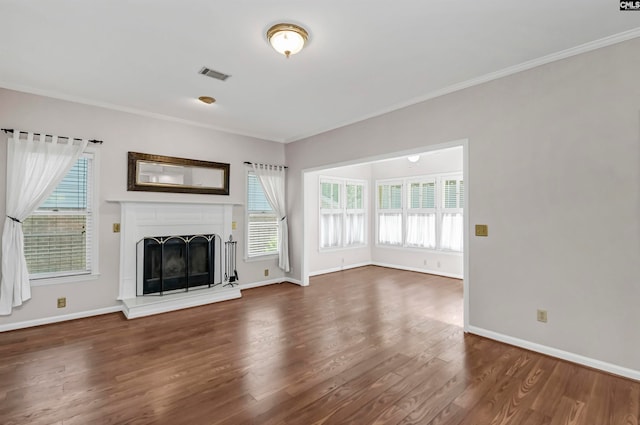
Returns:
(169, 264)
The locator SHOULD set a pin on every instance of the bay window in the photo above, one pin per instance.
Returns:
(421, 212)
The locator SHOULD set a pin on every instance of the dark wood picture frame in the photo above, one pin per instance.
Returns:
(176, 174)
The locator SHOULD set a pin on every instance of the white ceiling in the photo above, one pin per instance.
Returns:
(364, 58)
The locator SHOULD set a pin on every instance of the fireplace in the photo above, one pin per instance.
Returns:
(170, 264)
(143, 220)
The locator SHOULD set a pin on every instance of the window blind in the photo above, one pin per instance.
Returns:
(262, 222)
(58, 236)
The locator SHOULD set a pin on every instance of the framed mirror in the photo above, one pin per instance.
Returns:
(157, 173)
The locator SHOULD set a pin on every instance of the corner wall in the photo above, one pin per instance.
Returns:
(554, 170)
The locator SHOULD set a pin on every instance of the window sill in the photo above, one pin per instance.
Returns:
(418, 249)
(341, 248)
(266, 257)
(64, 279)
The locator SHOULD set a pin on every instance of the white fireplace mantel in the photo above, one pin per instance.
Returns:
(140, 219)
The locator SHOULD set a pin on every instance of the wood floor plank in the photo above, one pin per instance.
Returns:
(364, 346)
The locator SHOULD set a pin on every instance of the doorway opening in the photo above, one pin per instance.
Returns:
(404, 210)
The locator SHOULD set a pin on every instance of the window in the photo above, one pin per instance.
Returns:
(452, 223)
(342, 213)
(355, 215)
(390, 213)
(421, 214)
(331, 214)
(59, 237)
(428, 215)
(262, 222)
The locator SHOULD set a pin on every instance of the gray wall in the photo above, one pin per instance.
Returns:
(554, 161)
(553, 170)
(123, 132)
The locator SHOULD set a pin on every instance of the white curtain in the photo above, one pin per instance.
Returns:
(34, 169)
(354, 229)
(330, 230)
(390, 228)
(421, 230)
(272, 179)
(452, 228)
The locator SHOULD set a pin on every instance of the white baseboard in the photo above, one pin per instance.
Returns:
(145, 311)
(554, 352)
(250, 285)
(61, 318)
(338, 269)
(419, 270)
(294, 281)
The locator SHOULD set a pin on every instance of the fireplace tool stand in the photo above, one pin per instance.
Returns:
(230, 272)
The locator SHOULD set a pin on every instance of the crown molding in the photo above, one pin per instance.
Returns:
(505, 72)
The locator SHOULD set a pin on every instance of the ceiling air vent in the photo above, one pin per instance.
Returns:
(213, 74)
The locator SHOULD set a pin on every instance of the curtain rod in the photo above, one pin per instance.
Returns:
(10, 130)
(251, 163)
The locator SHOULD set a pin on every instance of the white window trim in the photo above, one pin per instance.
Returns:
(54, 279)
(343, 182)
(258, 257)
(440, 210)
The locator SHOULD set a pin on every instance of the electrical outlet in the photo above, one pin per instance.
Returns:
(266, 272)
(234, 225)
(116, 227)
(542, 316)
(482, 230)
(62, 302)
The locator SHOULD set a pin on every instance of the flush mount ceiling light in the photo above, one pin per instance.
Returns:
(287, 39)
(413, 158)
(206, 99)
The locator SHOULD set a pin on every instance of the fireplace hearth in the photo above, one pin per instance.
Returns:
(170, 264)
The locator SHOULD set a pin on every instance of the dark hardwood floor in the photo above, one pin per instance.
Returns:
(365, 346)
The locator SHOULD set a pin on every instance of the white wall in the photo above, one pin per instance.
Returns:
(123, 132)
(554, 168)
(322, 261)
